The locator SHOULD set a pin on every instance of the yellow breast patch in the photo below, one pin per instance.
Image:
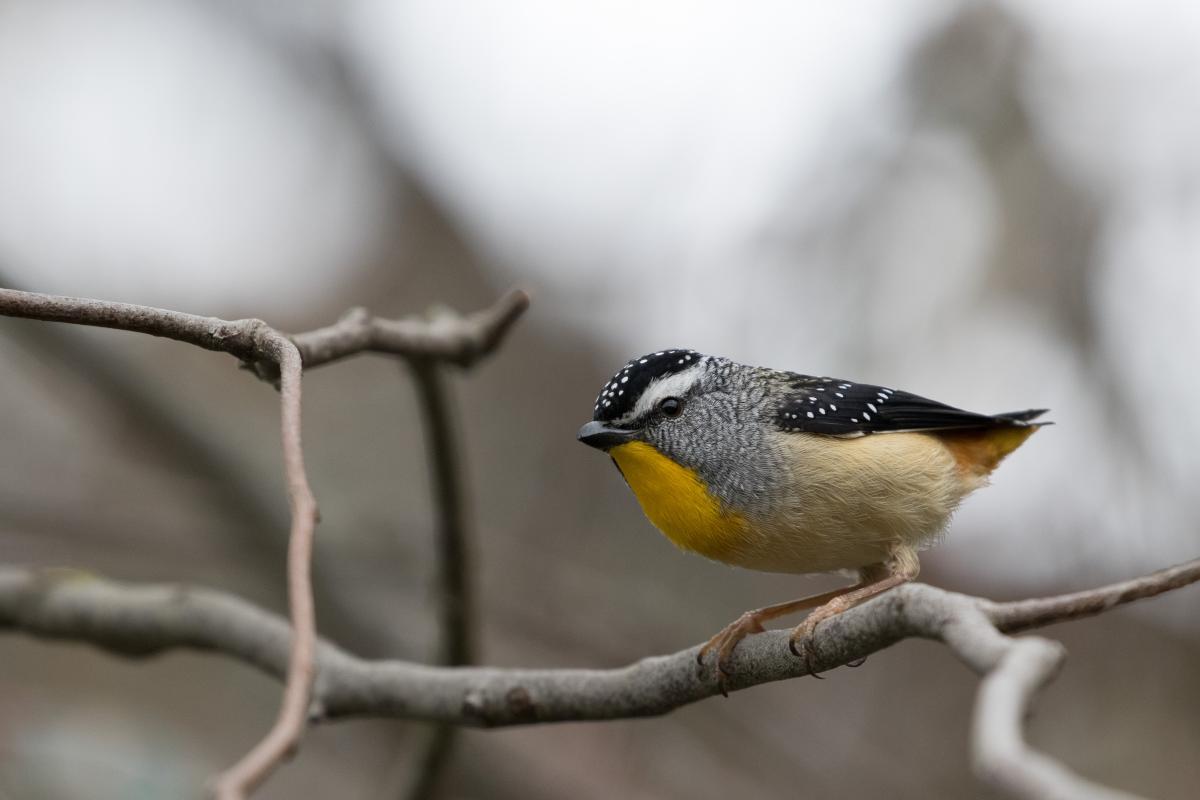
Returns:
(678, 503)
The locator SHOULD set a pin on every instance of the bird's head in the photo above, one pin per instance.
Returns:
(696, 410)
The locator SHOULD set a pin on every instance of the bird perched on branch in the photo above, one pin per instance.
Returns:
(782, 472)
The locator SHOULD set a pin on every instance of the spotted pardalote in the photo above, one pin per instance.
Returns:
(784, 472)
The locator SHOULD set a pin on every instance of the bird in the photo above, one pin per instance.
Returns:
(790, 473)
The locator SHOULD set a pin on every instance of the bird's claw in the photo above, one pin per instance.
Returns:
(724, 644)
(802, 640)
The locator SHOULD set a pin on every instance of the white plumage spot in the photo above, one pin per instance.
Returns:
(810, 415)
(866, 415)
(873, 408)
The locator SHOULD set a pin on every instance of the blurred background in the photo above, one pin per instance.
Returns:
(996, 204)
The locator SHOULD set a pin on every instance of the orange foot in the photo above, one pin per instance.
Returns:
(802, 634)
(752, 622)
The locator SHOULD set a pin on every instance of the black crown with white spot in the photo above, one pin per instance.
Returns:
(619, 395)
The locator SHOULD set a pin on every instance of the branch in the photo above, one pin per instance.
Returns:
(260, 537)
(453, 592)
(447, 336)
(147, 620)
(459, 339)
(245, 338)
(284, 736)
(1025, 614)
(446, 478)
(276, 357)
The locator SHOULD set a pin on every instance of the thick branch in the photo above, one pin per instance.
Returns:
(145, 620)
(1000, 753)
(142, 621)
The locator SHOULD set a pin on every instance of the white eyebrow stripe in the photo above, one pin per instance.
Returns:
(674, 385)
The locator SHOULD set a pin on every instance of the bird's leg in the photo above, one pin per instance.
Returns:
(875, 580)
(752, 622)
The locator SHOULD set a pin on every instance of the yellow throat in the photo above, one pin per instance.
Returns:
(678, 503)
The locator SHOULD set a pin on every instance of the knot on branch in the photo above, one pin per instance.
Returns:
(255, 343)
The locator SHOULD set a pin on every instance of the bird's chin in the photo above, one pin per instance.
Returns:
(603, 437)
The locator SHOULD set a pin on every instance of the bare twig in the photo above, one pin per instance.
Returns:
(272, 355)
(258, 345)
(261, 536)
(453, 592)
(446, 477)
(245, 338)
(449, 337)
(143, 621)
(285, 735)
(1025, 614)
(458, 339)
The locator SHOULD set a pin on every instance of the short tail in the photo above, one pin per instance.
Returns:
(1024, 416)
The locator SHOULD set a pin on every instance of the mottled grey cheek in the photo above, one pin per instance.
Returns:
(723, 443)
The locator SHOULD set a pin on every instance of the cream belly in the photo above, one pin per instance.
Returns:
(845, 504)
(848, 503)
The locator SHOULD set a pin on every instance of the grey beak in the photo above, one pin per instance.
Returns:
(602, 437)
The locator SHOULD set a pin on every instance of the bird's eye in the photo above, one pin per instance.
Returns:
(671, 406)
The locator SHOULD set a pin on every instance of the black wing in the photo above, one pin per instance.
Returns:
(843, 408)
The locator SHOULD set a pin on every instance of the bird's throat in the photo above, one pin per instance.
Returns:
(676, 500)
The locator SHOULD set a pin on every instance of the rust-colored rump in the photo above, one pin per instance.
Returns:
(980, 451)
